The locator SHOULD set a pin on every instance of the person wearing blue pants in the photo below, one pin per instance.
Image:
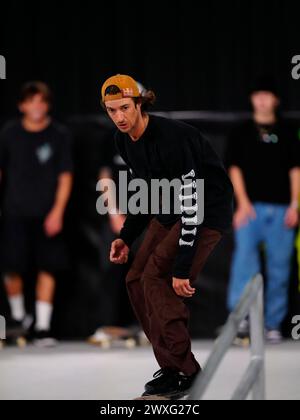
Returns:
(263, 158)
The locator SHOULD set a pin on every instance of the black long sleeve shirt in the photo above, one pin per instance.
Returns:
(171, 150)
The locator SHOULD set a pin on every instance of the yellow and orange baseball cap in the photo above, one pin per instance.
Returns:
(127, 85)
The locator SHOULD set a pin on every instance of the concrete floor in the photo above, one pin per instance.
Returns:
(77, 371)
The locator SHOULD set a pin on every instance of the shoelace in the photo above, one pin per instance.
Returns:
(160, 372)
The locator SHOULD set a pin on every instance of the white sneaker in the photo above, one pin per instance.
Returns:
(274, 337)
(101, 338)
(43, 339)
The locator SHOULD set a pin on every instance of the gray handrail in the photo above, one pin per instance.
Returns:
(251, 304)
(2, 328)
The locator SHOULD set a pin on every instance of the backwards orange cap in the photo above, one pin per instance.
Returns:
(127, 85)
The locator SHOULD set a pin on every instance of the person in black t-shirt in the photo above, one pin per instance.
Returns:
(176, 245)
(114, 313)
(36, 167)
(263, 160)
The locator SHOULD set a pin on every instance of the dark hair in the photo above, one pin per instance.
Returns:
(265, 82)
(147, 99)
(112, 90)
(31, 89)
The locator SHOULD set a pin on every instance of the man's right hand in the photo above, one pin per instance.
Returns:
(116, 223)
(244, 214)
(119, 252)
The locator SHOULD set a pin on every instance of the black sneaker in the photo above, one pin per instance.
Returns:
(14, 328)
(44, 339)
(165, 382)
(17, 332)
(187, 382)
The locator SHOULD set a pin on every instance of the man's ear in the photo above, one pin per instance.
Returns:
(20, 107)
(138, 105)
(103, 105)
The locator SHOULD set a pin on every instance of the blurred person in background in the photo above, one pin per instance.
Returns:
(263, 158)
(116, 318)
(36, 176)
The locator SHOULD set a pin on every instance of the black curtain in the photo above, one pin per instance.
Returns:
(195, 55)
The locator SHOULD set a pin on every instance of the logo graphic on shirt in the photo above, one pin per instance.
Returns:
(268, 138)
(189, 210)
(44, 153)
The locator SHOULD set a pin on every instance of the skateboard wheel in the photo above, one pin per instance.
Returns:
(242, 342)
(130, 343)
(21, 342)
(105, 344)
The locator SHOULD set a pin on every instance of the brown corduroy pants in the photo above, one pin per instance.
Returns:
(161, 312)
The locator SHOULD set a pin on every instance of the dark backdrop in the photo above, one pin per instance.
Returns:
(195, 55)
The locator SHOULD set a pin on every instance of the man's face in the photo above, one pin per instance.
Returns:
(264, 102)
(124, 113)
(35, 108)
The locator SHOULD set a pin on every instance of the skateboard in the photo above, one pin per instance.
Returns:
(242, 342)
(172, 397)
(14, 338)
(108, 337)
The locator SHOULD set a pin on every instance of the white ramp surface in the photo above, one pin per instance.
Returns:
(77, 371)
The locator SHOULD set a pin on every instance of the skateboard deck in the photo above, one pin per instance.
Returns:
(13, 340)
(242, 342)
(108, 337)
(15, 336)
(173, 397)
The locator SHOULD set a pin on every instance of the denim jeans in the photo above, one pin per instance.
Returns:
(268, 228)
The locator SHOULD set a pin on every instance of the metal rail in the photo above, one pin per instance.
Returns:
(251, 304)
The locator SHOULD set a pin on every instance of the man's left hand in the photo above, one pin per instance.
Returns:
(292, 218)
(53, 224)
(183, 288)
